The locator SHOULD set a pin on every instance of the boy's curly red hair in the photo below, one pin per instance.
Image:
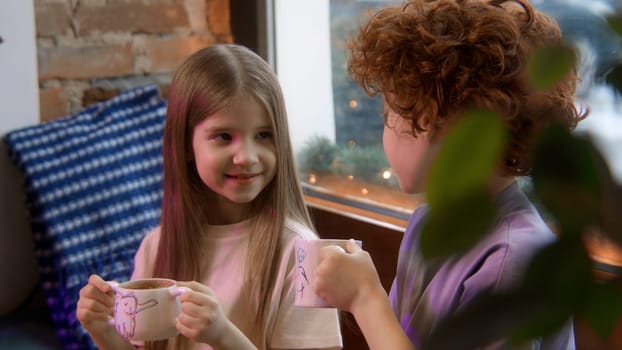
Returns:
(433, 59)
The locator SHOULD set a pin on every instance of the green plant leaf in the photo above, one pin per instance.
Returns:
(366, 163)
(456, 225)
(610, 222)
(555, 286)
(467, 157)
(615, 22)
(614, 78)
(561, 274)
(548, 64)
(603, 308)
(317, 155)
(457, 188)
(567, 178)
(486, 319)
(611, 215)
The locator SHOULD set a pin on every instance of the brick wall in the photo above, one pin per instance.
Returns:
(89, 50)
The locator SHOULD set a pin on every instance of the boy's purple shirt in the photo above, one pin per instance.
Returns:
(422, 294)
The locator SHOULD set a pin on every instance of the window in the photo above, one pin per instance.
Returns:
(336, 128)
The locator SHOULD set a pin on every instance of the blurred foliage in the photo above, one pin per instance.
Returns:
(321, 156)
(614, 78)
(603, 308)
(317, 155)
(567, 176)
(615, 22)
(547, 65)
(365, 163)
(462, 198)
(572, 182)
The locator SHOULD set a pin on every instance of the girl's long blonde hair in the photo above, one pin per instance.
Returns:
(210, 80)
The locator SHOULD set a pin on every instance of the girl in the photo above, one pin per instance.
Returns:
(432, 60)
(231, 209)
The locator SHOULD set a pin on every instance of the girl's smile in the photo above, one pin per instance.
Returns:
(242, 179)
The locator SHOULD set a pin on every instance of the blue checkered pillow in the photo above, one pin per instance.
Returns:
(94, 185)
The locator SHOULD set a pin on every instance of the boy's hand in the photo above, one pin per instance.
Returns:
(347, 278)
(96, 305)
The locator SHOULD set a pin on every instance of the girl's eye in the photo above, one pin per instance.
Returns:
(264, 135)
(220, 137)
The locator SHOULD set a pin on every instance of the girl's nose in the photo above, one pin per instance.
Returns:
(246, 153)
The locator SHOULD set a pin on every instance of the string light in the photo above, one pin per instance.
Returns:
(350, 177)
(387, 174)
(312, 178)
(364, 191)
(354, 104)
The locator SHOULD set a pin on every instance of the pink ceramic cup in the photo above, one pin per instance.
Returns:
(146, 309)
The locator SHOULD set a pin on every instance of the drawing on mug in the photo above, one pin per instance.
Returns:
(128, 304)
(301, 254)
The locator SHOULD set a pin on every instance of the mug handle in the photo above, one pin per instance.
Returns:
(114, 285)
(177, 291)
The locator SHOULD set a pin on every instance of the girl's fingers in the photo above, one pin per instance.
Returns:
(186, 330)
(201, 323)
(91, 292)
(187, 320)
(88, 314)
(100, 284)
(191, 309)
(95, 305)
(197, 304)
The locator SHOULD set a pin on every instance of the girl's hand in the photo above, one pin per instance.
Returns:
(95, 305)
(346, 279)
(201, 319)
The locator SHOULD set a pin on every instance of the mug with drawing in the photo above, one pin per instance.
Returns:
(146, 309)
(307, 254)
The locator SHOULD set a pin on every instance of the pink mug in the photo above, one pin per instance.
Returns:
(146, 309)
